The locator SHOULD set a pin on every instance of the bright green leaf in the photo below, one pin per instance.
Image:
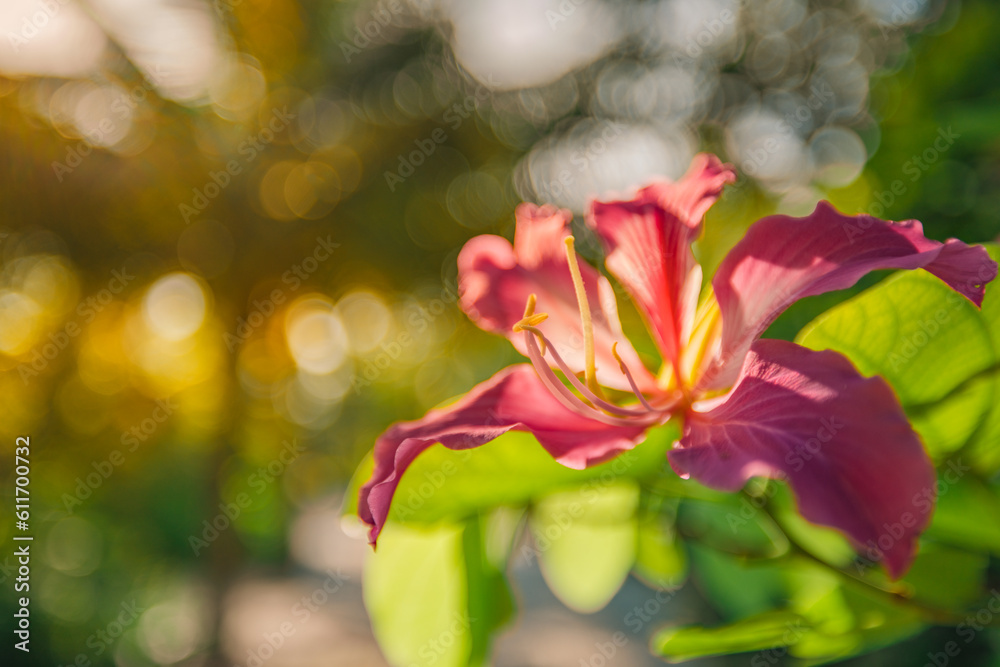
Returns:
(433, 597)
(416, 595)
(937, 350)
(586, 542)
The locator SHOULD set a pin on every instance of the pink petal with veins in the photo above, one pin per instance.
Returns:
(783, 259)
(648, 243)
(841, 440)
(513, 399)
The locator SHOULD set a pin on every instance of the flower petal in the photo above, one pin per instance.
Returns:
(840, 439)
(513, 399)
(783, 259)
(495, 280)
(648, 244)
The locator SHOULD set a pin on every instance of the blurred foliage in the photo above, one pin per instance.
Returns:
(231, 300)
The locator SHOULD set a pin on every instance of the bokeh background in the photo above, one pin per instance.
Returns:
(228, 235)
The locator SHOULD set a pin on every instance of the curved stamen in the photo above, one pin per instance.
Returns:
(579, 386)
(590, 368)
(599, 408)
(628, 376)
(568, 398)
(548, 378)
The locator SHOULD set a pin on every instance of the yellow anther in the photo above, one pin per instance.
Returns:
(590, 368)
(532, 319)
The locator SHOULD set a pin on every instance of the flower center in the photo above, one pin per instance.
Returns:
(702, 346)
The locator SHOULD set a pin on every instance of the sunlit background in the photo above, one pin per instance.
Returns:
(228, 240)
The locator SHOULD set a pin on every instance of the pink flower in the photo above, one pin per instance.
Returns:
(750, 407)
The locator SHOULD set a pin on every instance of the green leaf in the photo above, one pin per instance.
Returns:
(844, 619)
(489, 601)
(937, 350)
(947, 578)
(840, 617)
(761, 583)
(966, 515)
(586, 542)
(512, 470)
(734, 523)
(817, 594)
(763, 631)
(660, 558)
(877, 623)
(433, 596)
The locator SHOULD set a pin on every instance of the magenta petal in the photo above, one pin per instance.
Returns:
(513, 399)
(648, 244)
(840, 439)
(495, 280)
(783, 259)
